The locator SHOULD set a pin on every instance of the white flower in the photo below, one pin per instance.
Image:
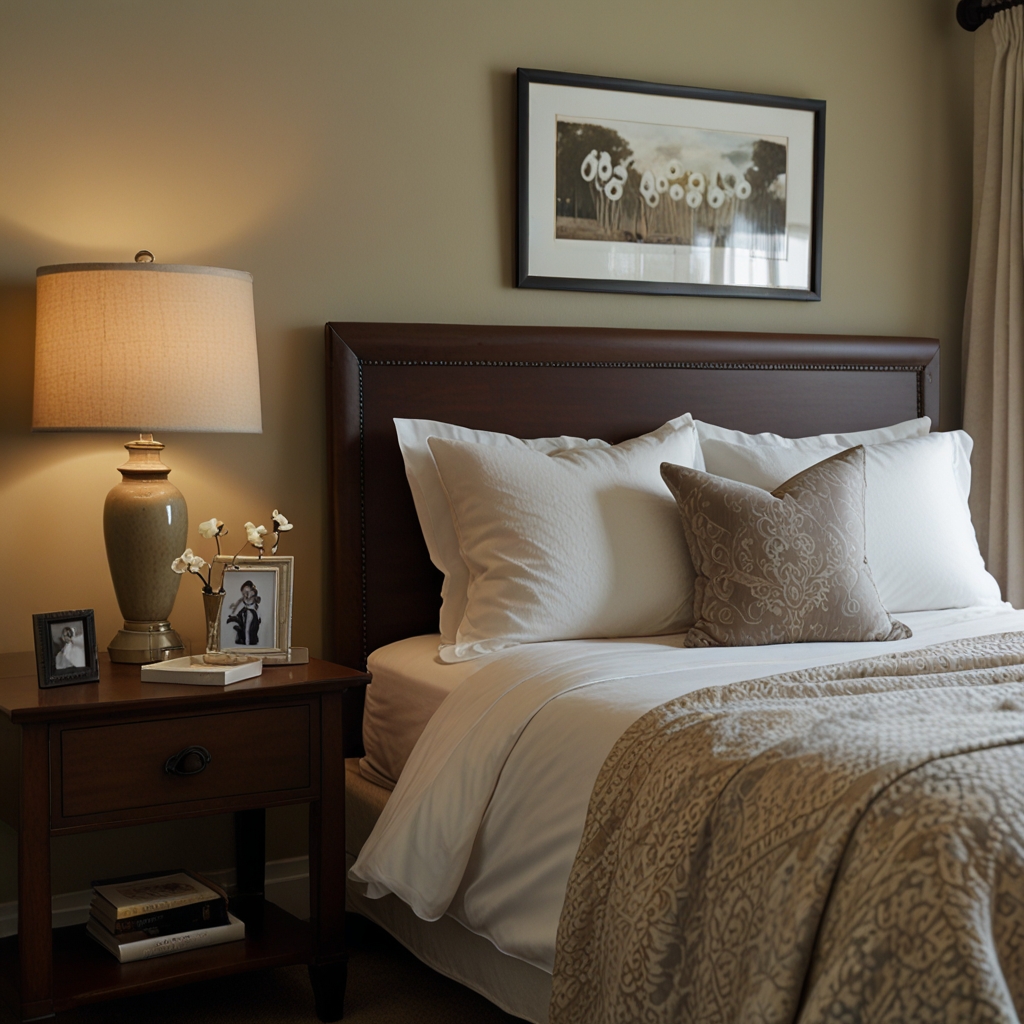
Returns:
(693, 198)
(613, 190)
(588, 169)
(212, 528)
(696, 182)
(255, 534)
(604, 167)
(676, 191)
(675, 169)
(715, 197)
(281, 525)
(620, 172)
(743, 189)
(188, 562)
(648, 186)
(661, 183)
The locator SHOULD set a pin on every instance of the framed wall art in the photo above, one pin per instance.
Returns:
(256, 616)
(634, 187)
(65, 648)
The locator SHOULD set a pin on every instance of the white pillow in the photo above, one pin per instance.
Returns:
(582, 542)
(827, 444)
(921, 544)
(432, 504)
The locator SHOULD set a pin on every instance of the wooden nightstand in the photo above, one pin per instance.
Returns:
(93, 756)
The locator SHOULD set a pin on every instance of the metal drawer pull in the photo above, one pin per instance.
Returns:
(190, 761)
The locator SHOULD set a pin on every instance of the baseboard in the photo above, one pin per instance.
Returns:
(287, 885)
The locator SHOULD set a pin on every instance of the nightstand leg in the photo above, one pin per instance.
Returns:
(250, 867)
(329, 990)
(329, 969)
(35, 930)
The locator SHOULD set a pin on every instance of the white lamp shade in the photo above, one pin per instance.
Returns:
(145, 347)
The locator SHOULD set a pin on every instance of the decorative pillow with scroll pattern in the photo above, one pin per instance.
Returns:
(779, 567)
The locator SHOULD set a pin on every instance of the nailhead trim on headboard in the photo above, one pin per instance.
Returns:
(354, 348)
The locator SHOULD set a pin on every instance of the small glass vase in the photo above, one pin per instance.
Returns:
(212, 604)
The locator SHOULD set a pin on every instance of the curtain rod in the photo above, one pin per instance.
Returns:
(972, 14)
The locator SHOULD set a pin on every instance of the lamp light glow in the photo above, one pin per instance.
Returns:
(141, 347)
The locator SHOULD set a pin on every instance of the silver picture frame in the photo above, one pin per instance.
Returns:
(256, 615)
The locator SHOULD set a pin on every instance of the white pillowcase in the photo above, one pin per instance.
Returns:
(582, 542)
(827, 444)
(921, 545)
(432, 504)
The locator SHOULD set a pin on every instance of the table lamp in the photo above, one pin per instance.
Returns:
(145, 347)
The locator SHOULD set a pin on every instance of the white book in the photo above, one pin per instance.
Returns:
(161, 945)
(196, 671)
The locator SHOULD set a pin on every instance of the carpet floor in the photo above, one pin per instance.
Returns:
(386, 985)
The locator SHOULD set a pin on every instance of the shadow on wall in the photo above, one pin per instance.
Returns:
(503, 127)
(302, 478)
(52, 486)
(17, 338)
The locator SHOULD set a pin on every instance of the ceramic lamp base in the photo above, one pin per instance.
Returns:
(145, 523)
(140, 643)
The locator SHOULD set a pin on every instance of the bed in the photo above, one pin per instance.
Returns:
(485, 912)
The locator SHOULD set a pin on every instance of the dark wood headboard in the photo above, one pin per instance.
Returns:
(543, 381)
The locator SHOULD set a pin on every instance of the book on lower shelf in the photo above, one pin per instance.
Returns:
(143, 916)
(162, 922)
(140, 946)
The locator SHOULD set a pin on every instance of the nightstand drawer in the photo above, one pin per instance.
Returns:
(123, 768)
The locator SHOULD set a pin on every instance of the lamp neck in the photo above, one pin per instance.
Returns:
(144, 461)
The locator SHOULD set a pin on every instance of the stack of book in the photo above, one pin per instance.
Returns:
(144, 916)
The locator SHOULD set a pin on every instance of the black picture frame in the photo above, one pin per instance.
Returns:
(48, 652)
(543, 246)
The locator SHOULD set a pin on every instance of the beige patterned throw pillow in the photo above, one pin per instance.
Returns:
(780, 567)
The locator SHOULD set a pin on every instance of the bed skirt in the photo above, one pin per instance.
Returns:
(445, 945)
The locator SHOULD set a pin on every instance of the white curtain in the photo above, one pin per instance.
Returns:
(994, 316)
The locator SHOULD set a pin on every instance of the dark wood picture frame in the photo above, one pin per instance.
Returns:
(49, 674)
(528, 276)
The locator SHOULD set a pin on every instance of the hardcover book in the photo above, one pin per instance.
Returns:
(181, 919)
(138, 897)
(139, 946)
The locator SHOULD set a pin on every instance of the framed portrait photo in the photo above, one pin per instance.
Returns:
(66, 648)
(256, 616)
(630, 186)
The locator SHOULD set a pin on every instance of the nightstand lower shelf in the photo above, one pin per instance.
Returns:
(83, 972)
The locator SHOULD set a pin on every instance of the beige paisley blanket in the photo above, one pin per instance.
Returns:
(837, 844)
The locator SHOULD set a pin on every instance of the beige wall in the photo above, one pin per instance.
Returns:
(357, 158)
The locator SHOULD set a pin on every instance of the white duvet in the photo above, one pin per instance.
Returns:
(487, 815)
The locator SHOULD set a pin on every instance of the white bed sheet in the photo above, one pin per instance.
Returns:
(486, 818)
(410, 682)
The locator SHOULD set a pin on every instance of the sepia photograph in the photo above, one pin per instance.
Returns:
(653, 183)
